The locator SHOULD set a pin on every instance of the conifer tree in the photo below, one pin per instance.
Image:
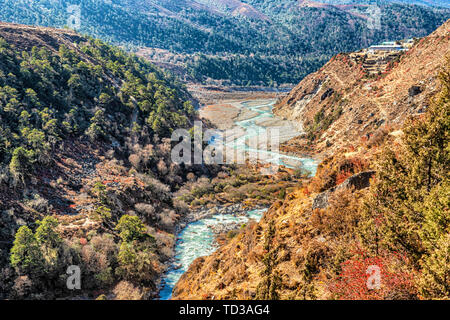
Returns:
(26, 257)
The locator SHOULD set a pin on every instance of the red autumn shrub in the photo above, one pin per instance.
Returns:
(342, 176)
(306, 191)
(373, 278)
(350, 167)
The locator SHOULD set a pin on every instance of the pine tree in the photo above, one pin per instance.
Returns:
(46, 234)
(50, 243)
(26, 256)
(434, 281)
(131, 228)
(20, 162)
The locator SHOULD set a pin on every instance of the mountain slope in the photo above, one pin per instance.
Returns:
(344, 101)
(84, 157)
(432, 3)
(266, 43)
(380, 204)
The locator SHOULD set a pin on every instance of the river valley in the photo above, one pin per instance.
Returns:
(247, 120)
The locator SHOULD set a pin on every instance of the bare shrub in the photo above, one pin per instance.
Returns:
(105, 243)
(167, 219)
(162, 167)
(145, 209)
(378, 138)
(98, 258)
(203, 181)
(191, 177)
(164, 148)
(135, 161)
(93, 261)
(125, 290)
(141, 156)
(22, 287)
(158, 189)
(222, 175)
(180, 206)
(39, 204)
(165, 243)
(174, 180)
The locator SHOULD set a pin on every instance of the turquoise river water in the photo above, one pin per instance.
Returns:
(197, 238)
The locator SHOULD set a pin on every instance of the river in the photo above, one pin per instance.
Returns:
(197, 239)
(255, 119)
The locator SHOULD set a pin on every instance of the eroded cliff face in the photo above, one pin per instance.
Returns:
(355, 94)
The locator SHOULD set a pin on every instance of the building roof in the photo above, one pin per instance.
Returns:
(386, 47)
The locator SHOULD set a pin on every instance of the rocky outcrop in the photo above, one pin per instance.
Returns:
(328, 93)
(414, 91)
(357, 182)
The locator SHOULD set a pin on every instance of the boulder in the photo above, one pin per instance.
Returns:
(414, 91)
(321, 200)
(327, 94)
(358, 181)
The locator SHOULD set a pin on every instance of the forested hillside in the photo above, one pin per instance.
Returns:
(259, 42)
(91, 90)
(85, 170)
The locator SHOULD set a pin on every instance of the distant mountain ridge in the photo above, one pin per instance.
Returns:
(235, 7)
(243, 42)
(431, 3)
